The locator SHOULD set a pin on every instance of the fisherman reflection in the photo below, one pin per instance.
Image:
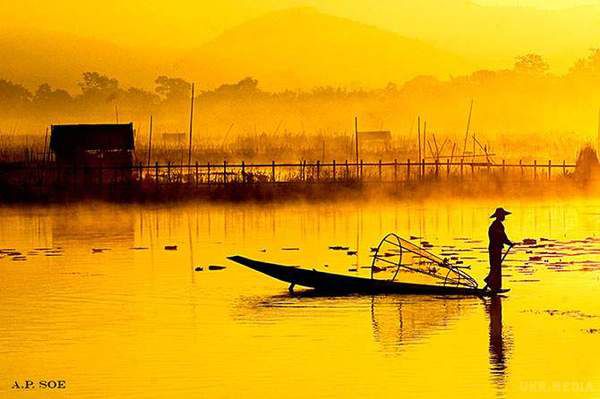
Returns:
(498, 239)
(498, 348)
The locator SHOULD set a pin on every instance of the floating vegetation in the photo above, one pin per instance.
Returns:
(338, 248)
(578, 314)
(592, 330)
(170, 247)
(99, 250)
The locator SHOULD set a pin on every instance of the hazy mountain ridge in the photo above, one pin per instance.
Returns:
(302, 47)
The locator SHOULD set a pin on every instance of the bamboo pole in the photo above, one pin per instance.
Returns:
(356, 143)
(334, 171)
(191, 125)
(150, 141)
(273, 171)
(419, 132)
(467, 130)
(45, 145)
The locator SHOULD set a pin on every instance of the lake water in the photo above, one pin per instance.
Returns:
(95, 299)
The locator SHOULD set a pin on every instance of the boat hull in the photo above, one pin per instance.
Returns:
(330, 282)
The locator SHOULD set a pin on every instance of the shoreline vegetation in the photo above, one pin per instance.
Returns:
(518, 111)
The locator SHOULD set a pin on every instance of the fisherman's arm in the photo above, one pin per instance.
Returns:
(505, 239)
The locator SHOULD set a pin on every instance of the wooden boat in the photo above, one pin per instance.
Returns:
(337, 283)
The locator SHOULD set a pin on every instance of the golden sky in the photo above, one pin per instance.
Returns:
(180, 23)
(156, 35)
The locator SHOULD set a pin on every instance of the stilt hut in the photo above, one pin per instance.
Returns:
(96, 149)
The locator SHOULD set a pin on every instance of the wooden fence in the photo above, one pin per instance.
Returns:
(327, 172)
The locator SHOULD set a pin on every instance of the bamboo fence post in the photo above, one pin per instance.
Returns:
(243, 172)
(318, 170)
(304, 170)
(169, 171)
(535, 169)
(334, 171)
(521, 167)
(273, 171)
(408, 170)
(196, 175)
(208, 173)
(549, 169)
(361, 170)
(437, 168)
(225, 172)
(156, 172)
(395, 170)
(380, 172)
(462, 163)
(448, 167)
(347, 171)
(564, 167)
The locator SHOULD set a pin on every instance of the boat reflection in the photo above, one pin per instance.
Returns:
(403, 320)
(396, 320)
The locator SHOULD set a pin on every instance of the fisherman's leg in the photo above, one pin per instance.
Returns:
(495, 277)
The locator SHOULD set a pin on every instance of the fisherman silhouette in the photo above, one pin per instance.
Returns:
(498, 239)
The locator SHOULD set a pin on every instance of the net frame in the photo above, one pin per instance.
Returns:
(449, 274)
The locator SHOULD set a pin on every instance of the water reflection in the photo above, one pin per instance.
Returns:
(396, 321)
(499, 347)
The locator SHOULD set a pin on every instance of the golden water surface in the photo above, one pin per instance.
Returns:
(90, 295)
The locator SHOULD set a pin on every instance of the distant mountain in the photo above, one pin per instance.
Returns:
(301, 47)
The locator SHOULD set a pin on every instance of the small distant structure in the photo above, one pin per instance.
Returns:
(375, 138)
(93, 145)
(174, 138)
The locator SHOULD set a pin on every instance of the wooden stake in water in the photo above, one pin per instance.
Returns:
(45, 146)
(191, 126)
(467, 131)
(356, 143)
(150, 141)
(598, 148)
(419, 132)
